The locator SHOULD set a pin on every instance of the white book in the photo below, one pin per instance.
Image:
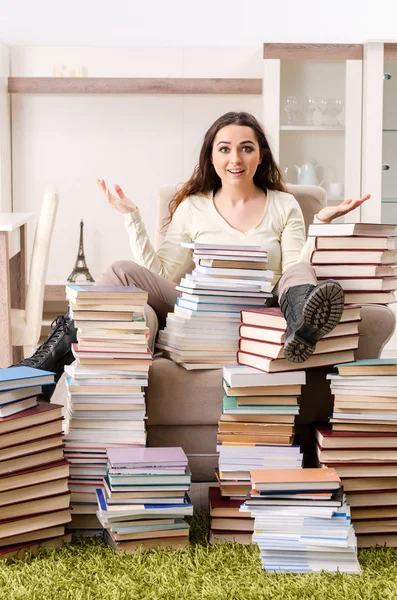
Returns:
(192, 354)
(254, 286)
(224, 293)
(242, 376)
(356, 243)
(249, 273)
(210, 247)
(233, 281)
(251, 257)
(208, 307)
(210, 316)
(350, 229)
(373, 284)
(365, 416)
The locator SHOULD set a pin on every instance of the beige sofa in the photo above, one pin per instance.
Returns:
(183, 407)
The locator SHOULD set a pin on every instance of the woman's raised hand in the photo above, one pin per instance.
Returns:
(119, 202)
(329, 213)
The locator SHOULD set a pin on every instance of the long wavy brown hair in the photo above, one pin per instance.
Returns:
(205, 180)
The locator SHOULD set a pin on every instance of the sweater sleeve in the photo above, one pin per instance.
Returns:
(170, 258)
(295, 247)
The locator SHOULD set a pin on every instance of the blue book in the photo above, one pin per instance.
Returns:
(19, 377)
(116, 511)
(371, 366)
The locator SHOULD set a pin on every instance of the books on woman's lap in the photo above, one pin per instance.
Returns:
(361, 256)
(226, 279)
(267, 355)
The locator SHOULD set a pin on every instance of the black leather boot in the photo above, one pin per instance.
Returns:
(311, 311)
(55, 352)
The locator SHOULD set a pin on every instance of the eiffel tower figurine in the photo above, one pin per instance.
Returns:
(80, 267)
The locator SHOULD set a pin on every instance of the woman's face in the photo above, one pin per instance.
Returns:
(235, 154)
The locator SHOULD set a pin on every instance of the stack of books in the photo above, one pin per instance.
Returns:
(262, 337)
(145, 498)
(361, 256)
(202, 332)
(105, 403)
(362, 446)
(302, 522)
(227, 523)
(34, 495)
(255, 431)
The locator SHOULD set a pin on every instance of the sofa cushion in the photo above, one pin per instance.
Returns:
(176, 396)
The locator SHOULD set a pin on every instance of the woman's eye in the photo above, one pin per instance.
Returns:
(223, 149)
(247, 148)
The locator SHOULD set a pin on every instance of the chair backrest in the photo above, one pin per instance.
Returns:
(39, 264)
(311, 198)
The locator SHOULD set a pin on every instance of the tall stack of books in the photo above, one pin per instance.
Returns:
(361, 256)
(145, 498)
(255, 431)
(262, 337)
(105, 404)
(362, 446)
(302, 523)
(202, 331)
(34, 495)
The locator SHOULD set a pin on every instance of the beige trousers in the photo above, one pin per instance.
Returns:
(162, 294)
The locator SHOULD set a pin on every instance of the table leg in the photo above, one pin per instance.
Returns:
(5, 303)
(22, 267)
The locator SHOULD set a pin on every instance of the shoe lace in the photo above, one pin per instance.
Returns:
(59, 326)
(291, 309)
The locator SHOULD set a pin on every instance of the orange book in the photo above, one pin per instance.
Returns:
(295, 479)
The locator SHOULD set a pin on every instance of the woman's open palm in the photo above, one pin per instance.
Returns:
(120, 202)
(329, 213)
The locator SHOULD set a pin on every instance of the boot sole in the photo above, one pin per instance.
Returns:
(321, 313)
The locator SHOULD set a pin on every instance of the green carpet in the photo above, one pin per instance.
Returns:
(88, 570)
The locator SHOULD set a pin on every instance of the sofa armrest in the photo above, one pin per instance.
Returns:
(376, 328)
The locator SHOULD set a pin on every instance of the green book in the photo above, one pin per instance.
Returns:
(230, 406)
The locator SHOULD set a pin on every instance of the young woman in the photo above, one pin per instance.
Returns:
(235, 196)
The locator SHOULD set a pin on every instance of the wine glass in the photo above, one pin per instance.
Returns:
(310, 109)
(333, 110)
(322, 105)
(339, 110)
(290, 108)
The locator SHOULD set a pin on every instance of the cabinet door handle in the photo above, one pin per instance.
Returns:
(385, 167)
(387, 76)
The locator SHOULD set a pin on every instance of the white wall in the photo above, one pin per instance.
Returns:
(192, 22)
(137, 141)
(5, 136)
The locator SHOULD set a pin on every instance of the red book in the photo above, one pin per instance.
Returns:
(42, 413)
(273, 317)
(48, 472)
(326, 438)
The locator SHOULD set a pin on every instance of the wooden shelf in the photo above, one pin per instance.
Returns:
(312, 128)
(131, 85)
(313, 51)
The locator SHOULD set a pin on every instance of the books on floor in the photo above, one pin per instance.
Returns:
(255, 431)
(227, 523)
(105, 403)
(361, 444)
(202, 332)
(34, 495)
(301, 521)
(361, 256)
(144, 498)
